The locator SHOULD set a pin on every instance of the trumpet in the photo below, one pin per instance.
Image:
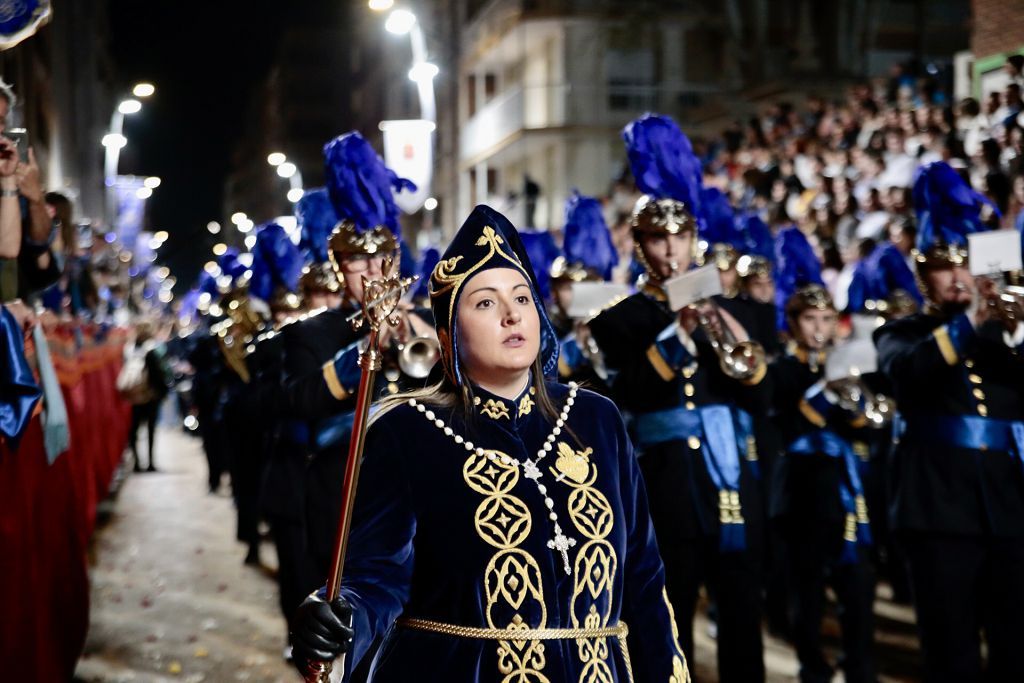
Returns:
(877, 409)
(418, 356)
(742, 360)
(1007, 303)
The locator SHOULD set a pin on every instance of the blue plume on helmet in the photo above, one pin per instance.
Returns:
(796, 266)
(878, 276)
(428, 259)
(230, 265)
(276, 262)
(587, 239)
(316, 217)
(207, 284)
(948, 209)
(541, 249)
(755, 235)
(719, 225)
(360, 185)
(663, 162)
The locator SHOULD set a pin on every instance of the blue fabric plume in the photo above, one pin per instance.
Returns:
(316, 217)
(360, 185)
(948, 209)
(276, 262)
(663, 162)
(587, 239)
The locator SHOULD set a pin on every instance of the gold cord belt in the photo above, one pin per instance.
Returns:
(619, 631)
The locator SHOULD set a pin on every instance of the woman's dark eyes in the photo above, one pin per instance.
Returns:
(523, 299)
(484, 303)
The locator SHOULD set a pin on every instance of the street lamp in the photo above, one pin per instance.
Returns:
(286, 170)
(213, 227)
(424, 71)
(114, 141)
(400, 22)
(381, 5)
(152, 182)
(276, 158)
(130, 107)
(295, 194)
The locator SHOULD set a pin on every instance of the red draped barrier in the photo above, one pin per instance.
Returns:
(48, 512)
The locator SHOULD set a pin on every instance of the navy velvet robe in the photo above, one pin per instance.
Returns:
(442, 534)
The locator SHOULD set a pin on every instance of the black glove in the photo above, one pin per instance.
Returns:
(321, 632)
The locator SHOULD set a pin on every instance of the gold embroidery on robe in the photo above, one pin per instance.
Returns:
(595, 564)
(526, 404)
(495, 409)
(512, 580)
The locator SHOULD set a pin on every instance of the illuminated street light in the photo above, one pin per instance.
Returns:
(143, 193)
(238, 217)
(152, 182)
(143, 89)
(213, 227)
(245, 226)
(114, 141)
(423, 72)
(130, 107)
(286, 170)
(276, 158)
(161, 236)
(250, 241)
(212, 268)
(381, 5)
(295, 194)
(430, 204)
(400, 22)
(219, 249)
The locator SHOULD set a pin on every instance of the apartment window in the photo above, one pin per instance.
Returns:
(471, 95)
(490, 87)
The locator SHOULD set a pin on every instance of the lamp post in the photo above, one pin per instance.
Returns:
(115, 140)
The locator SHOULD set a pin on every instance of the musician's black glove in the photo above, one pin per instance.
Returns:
(321, 631)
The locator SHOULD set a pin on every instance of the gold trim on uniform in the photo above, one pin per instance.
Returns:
(945, 345)
(333, 383)
(659, 363)
(812, 415)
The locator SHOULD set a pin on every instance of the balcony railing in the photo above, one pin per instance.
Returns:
(540, 107)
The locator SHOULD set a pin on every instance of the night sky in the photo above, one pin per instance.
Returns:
(204, 57)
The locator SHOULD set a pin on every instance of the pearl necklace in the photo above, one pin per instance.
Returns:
(531, 468)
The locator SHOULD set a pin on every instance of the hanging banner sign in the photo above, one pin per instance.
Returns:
(19, 19)
(130, 209)
(408, 151)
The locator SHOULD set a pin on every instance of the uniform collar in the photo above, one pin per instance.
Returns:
(497, 409)
(815, 359)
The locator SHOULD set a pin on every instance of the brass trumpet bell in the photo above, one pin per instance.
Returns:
(418, 356)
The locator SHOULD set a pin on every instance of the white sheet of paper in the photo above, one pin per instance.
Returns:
(857, 357)
(692, 286)
(589, 298)
(993, 252)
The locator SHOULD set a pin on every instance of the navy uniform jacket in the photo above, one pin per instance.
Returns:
(318, 395)
(943, 370)
(806, 486)
(443, 534)
(653, 375)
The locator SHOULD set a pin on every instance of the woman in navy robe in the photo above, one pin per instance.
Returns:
(501, 530)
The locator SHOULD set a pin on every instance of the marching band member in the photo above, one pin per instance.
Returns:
(501, 529)
(692, 441)
(957, 480)
(817, 499)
